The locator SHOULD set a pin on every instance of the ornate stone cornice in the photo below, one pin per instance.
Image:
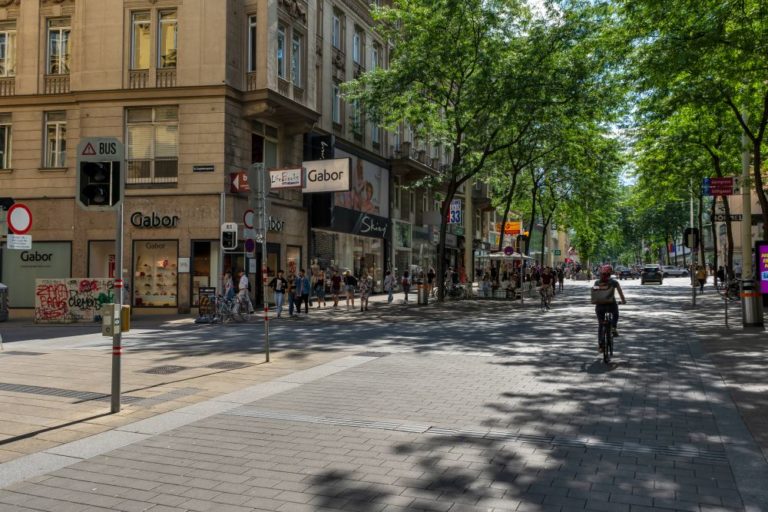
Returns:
(8, 3)
(54, 1)
(296, 9)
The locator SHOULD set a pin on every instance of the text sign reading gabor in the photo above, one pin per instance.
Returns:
(327, 175)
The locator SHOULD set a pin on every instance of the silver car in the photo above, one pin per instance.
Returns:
(672, 271)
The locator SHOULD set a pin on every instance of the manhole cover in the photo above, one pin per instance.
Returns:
(165, 370)
(21, 353)
(373, 354)
(228, 365)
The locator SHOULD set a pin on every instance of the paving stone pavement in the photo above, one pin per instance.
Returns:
(462, 413)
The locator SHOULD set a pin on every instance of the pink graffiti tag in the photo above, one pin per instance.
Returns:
(87, 285)
(53, 301)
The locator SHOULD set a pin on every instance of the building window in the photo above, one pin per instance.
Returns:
(5, 141)
(7, 49)
(336, 104)
(357, 47)
(336, 33)
(398, 193)
(375, 55)
(251, 44)
(281, 51)
(167, 40)
(140, 26)
(374, 134)
(296, 59)
(152, 149)
(55, 139)
(58, 46)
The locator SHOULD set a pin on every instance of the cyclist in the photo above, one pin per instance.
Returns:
(606, 281)
(547, 281)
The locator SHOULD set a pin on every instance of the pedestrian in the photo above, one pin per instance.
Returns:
(291, 291)
(366, 285)
(406, 284)
(560, 279)
(701, 277)
(279, 285)
(486, 284)
(319, 287)
(389, 285)
(720, 274)
(229, 286)
(243, 296)
(335, 287)
(350, 282)
(302, 292)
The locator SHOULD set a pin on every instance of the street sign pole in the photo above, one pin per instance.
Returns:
(117, 349)
(257, 177)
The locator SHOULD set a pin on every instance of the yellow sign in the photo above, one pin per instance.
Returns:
(510, 228)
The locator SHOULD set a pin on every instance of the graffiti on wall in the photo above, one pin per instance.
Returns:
(72, 299)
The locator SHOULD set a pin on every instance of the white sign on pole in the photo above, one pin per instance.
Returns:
(454, 217)
(286, 178)
(100, 149)
(327, 175)
(20, 242)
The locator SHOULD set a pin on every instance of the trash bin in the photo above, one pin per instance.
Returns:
(422, 296)
(3, 302)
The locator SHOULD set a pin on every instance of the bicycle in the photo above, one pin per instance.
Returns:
(605, 336)
(228, 310)
(546, 297)
(731, 290)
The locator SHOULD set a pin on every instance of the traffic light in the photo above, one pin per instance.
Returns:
(691, 238)
(99, 185)
(229, 236)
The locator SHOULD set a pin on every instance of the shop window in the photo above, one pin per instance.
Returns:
(293, 259)
(155, 279)
(204, 267)
(101, 259)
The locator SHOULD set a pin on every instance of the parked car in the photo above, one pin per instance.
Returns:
(651, 274)
(625, 273)
(672, 271)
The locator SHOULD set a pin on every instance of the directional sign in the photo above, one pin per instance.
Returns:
(19, 219)
(720, 186)
(20, 242)
(238, 182)
(721, 217)
(100, 149)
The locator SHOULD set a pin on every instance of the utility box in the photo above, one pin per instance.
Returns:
(125, 319)
(3, 302)
(110, 320)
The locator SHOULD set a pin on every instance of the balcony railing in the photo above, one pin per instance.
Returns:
(284, 87)
(56, 84)
(166, 77)
(138, 78)
(7, 86)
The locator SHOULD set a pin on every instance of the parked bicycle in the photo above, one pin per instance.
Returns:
(730, 290)
(229, 310)
(452, 291)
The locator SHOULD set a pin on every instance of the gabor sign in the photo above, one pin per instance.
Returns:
(327, 175)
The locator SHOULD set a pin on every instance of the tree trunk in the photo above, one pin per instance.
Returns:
(728, 234)
(685, 261)
(544, 237)
(507, 207)
(534, 193)
(444, 211)
(666, 247)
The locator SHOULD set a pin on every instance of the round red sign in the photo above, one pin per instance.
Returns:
(19, 219)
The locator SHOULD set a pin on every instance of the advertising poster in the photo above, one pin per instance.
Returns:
(369, 192)
(762, 265)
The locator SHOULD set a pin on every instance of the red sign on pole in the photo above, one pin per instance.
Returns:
(19, 219)
(239, 182)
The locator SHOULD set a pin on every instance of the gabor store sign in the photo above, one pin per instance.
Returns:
(327, 175)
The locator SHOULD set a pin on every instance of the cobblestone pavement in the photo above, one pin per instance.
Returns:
(471, 406)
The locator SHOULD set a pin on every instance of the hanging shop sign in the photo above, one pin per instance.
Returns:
(359, 223)
(327, 175)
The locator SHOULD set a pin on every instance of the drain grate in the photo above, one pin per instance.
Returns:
(373, 354)
(79, 396)
(228, 365)
(625, 447)
(165, 370)
(21, 353)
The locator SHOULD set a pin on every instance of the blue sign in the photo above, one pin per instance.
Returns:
(454, 217)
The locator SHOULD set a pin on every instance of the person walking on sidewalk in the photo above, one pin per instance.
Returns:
(279, 285)
(560, 279)
(335, 287)
(229, 286)
(291, 292)
(319, 286)
(349, 287)
(701, 277)
(389, 285)
(302, 292)
(366, 286)
(243, 296)
(406, 284)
